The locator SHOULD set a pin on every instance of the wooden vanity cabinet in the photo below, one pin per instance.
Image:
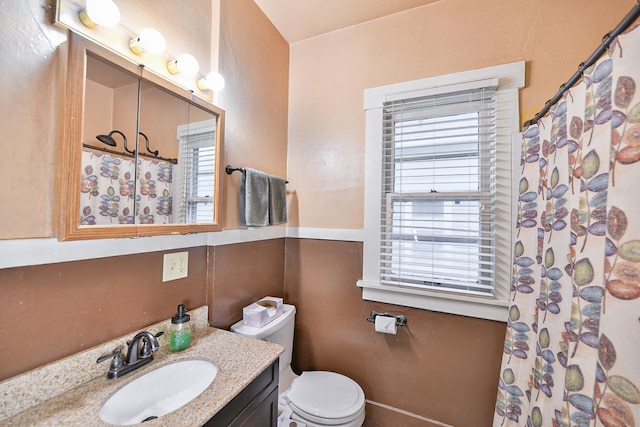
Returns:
(255, 406)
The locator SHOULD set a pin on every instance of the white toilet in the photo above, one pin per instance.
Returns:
(316, 398)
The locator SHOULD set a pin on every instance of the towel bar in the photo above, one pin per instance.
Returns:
(230, 169)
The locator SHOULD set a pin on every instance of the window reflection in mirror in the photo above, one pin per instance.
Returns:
(195, 180)
(147, 152)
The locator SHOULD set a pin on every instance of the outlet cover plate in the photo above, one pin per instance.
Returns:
(175, 266)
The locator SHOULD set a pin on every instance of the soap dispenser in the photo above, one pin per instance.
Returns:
(181, 332)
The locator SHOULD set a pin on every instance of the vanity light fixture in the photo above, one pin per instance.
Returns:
(185, 63)
(103, 13)
(212, 81)
(150, 41)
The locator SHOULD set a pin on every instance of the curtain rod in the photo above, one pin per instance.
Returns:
(607, 39)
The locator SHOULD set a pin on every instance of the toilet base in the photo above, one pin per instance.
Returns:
(284, 416)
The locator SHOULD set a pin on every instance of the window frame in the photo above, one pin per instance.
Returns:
(509, 79)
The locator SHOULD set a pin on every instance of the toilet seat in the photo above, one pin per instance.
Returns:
(326, 398)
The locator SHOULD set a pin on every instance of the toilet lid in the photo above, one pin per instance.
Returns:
(327, 395)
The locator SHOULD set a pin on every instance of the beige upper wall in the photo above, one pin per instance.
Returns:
(325, 82)
(329, 74)
(27, 119)
(254, 58)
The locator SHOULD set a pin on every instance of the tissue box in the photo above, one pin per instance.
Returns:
(262, 312)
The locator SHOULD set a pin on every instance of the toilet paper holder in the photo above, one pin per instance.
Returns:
(401, 320)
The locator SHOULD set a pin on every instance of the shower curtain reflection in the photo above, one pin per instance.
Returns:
(107, 191)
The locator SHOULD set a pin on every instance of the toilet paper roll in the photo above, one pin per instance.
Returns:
(386, 325)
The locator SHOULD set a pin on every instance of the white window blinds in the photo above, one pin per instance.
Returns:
(438, 190)
(196, 180)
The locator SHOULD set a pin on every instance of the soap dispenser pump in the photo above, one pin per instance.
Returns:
(181, 332)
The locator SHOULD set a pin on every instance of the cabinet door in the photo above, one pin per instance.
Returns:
(255, 406)
(138, 155)
(264, 413)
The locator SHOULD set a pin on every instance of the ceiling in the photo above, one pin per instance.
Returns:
(301, 19)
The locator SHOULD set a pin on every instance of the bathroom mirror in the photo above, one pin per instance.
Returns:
(139, 156)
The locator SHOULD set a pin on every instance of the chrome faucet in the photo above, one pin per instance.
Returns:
(139, 352)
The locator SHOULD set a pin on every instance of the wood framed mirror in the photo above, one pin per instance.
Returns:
(137, 155)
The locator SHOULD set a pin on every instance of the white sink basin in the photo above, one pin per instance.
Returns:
(159, 392)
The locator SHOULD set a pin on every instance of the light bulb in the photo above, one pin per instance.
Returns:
(104, 13)
(149, 40)
(212, 81)
(185, 63)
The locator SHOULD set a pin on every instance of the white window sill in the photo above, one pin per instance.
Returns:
(463, 305)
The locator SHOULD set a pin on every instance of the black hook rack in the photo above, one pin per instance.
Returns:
(146, 138)
(401, 320)
(110, 141)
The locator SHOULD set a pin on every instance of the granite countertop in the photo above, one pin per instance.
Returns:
(239, 360)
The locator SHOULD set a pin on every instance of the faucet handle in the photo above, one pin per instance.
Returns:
(148, 347)
(116, 359)
(115, 353)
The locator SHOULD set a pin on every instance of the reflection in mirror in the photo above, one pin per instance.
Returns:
(196, 184)
(160, 113)
(147, 152)
(107, 190)
(183, 190)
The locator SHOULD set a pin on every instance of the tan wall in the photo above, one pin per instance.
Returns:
(254, 58)
(246, 272)
(329, 74)
(441, 367)
(160, 116)
(56, 310)
(98, 118)
(27, 120)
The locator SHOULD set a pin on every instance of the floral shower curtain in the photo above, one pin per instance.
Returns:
(572, 348)
(107, 191)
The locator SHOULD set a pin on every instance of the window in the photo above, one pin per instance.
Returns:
(196, 182)
(438, 191)
(438, 194)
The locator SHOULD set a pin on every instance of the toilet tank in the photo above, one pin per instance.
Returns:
(279, 331)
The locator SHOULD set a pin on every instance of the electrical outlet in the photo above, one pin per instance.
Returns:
(175, 266)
